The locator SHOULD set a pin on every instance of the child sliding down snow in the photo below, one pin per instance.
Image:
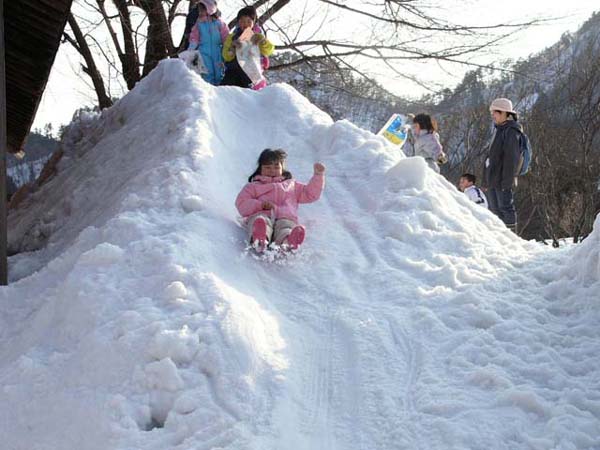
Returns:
(269, 202)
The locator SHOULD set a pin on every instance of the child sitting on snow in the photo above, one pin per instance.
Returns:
(207, 36)
(248, 72)
(269, 202)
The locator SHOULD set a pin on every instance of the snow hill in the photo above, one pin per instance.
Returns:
(411, 318)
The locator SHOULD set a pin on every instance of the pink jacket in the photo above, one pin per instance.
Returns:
(285, 195)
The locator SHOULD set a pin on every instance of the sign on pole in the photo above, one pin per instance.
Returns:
(395, 130)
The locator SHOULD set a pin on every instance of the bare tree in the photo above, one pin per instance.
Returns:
(398, 31)
(159, 43)
(127, 39)
(80, 43)
(141, 34)
(128, 55)
(566, 123)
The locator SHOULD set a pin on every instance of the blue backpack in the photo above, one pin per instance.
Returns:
(526, 154)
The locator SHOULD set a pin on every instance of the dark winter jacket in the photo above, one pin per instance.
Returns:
(503, 158)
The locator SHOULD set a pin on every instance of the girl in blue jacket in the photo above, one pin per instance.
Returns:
(207, 36)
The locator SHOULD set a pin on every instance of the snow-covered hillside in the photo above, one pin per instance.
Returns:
(27, 172)
(410, 319)
(38, 150)
(337, 92)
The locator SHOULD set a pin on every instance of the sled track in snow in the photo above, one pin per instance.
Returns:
(412, 355)
(319, 386)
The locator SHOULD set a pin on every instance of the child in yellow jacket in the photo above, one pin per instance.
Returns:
(250, 75)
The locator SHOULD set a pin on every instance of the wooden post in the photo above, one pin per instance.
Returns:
(3, 200)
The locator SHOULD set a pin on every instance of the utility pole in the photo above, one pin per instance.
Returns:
(3, 201)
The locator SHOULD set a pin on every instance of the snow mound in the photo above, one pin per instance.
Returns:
(412, 318)
(585, 262)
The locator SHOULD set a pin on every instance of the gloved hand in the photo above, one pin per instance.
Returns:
(319, 168)
(257, 39)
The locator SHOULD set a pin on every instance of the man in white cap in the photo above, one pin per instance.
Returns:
(502, 163)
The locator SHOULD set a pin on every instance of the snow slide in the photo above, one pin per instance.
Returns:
(411, 319)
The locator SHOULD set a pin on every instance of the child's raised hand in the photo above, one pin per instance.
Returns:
(319, 169)
(267, 205)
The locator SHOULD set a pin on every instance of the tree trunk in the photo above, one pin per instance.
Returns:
(3, 148)
(159, 44)
(90, 68)
(129, 59)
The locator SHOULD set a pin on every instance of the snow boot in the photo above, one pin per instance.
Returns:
(296, 237)
(259, 234)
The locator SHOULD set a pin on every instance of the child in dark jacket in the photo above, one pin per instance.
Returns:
(235, 74)
(264, 60)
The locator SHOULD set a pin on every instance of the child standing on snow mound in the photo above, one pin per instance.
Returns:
(264, 60)
(242, 52)
(207, 36)
(269, 202)
(427, 141)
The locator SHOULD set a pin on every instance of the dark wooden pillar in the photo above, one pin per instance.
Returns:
(3, 219)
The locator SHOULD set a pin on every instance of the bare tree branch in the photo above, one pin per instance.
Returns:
(129, 59)
(430, 27)
(90, 68)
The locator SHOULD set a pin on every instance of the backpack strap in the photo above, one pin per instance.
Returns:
(505, 130)
(520, 137)
(480, 200)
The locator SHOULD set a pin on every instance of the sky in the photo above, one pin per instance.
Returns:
(67, 89)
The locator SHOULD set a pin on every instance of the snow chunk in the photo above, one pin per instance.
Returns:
(103, 254)
(185, 404)
(176, 290)
(408, 173)
(192, 203)
(163, 375)
(489, 378)
(528, 401)
(179, 345)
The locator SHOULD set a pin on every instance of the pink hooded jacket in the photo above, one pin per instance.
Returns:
(285, 195)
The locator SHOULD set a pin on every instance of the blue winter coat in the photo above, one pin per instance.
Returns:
(207, 37)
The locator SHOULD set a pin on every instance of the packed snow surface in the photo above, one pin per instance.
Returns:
(410, 319)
